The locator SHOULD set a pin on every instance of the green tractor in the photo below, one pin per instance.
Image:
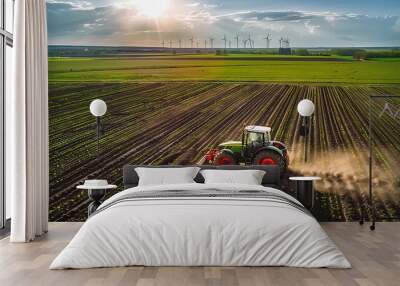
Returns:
(256, 148)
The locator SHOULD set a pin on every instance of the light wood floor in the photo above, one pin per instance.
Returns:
(375, 257)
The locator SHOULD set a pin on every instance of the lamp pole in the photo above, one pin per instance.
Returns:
(307, 131)
(98, 108)
(306, 109)
(98, 133)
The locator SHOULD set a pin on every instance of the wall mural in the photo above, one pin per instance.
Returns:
(181, 77)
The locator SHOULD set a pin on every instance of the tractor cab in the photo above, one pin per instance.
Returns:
(254, 138)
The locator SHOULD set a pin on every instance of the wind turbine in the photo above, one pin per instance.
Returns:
(237, 41)
(250, 41)
(191, 42)
(212, 42)
(287, 42)
(197, 44)
(230, 43)
(180, 43)
(224, 39)
(268, 39)
(280, 42)
(244, 43)
(205, 44)
(170, 44)
(163, 44)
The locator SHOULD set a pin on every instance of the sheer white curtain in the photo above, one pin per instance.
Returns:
(27, 124)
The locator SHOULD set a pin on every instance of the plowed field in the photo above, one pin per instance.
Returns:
(176, 123)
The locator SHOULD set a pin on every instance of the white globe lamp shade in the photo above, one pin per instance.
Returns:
(306, 107)
(98, 107)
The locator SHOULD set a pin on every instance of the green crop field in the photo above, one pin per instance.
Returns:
(230, 68)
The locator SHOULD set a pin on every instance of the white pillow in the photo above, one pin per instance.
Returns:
(166, 176)
(248, 177)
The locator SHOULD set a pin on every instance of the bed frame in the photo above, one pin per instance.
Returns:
(271, 177)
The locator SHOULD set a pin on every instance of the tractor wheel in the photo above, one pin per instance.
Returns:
(224, 159)
(268, 157)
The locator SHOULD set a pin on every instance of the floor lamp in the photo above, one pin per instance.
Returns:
(306, 109)
(98, 108)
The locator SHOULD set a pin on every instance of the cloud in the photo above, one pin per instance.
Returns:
(321, 28)
(196, 4)
(72, 5)
(286, 16)
(269, 16)
(311, 28)
(117, 24)
(200, 16)
(65, 19)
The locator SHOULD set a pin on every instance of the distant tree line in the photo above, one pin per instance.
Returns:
(355, 53)
(363, 54)
(383, 54)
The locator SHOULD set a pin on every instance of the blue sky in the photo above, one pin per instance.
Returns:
(308, 23)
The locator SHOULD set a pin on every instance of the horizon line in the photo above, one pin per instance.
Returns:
(216, 48)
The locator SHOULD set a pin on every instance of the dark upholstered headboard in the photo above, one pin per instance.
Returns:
(271, 178)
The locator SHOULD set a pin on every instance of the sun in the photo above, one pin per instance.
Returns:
(152, 8)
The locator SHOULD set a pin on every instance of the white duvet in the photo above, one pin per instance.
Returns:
(202, 232)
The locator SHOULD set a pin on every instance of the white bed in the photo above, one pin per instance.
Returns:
(202, 231)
